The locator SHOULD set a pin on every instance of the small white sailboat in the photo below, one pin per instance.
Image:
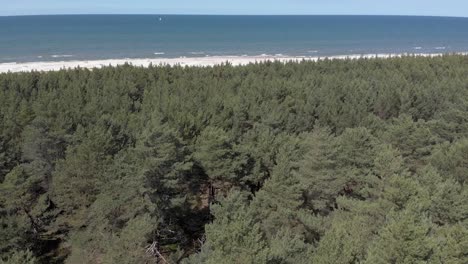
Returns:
(160, 18)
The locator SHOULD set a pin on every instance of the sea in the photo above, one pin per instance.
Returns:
(90, 37)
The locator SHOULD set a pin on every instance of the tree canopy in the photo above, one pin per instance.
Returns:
(335, 161)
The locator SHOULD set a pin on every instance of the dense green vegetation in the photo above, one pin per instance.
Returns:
(343, 161)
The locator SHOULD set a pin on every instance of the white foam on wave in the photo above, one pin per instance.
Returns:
(312, 51)
(197, 52)
(61, 56)
(159, 53)
(417, 48)
(39, 57)
(279, 55)
(439, 48)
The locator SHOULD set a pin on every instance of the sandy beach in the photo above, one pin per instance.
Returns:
(183, 61)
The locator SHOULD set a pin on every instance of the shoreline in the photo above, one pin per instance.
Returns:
(206, 61)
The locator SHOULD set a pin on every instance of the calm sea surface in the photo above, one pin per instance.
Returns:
(85, 37)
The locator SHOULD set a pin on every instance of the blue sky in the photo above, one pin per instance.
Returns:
(354, 7)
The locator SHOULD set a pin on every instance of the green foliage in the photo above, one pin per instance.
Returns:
(233, 237)
(404, 239)
(335, 161)
(414, 140)
(130, 245)
(452, 245)
(217, 155)
(20, 257)
(452, 160)
(345, 241)
(320, 172)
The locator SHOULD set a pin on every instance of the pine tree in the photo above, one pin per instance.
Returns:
(346, 241)
(215, 152)
(451, 160)
(17, 257)
(233, 237)
(404, 239)
(319, 172)
(452, 245)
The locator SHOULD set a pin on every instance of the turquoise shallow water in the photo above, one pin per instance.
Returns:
(86, 37)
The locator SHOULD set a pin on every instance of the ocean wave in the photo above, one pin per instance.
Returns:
(61, 56)
(417, 48)
(159, 53)
(197, 52)
(312, 51)
(439, 48)
(279, 55)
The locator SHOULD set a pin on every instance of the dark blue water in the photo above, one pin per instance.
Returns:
(46, 38)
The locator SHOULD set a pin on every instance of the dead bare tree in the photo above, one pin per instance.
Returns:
(153, 250)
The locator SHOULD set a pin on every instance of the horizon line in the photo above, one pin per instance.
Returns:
(209, 14)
